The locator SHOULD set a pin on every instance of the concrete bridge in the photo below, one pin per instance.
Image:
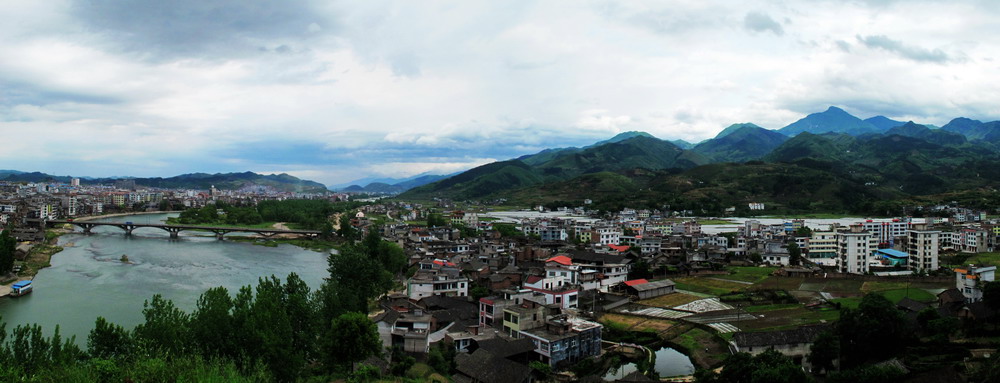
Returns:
(174, 230)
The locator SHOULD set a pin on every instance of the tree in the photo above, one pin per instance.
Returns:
(507, 230)
(7, 247)
(212, 324)
(165, 330)
(109, 341)
(803, 231)
(824, 350)
(435, 220)
(794, 253)
(352, 338)
(991, 294)
(874, 331)
(769, 366)
(346, 231)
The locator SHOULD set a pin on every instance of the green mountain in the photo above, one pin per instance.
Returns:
(940, 137)
(682, 144)
(823, 147)
(734, 127)
(974, 129)
(638, 151)
(229, 181)
(621, 137)
(740, 143)
(883, 123)
(832, 120)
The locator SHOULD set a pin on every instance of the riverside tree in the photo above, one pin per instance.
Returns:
(7, 247)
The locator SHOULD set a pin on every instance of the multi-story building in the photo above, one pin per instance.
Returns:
(563, 340)
(969, 280)
(427, 283)
(606, 235)
(887, 231)
(855, 247)
(922, 245)
(823, 247)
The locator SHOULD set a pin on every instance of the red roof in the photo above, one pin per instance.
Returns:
(533, 279)
(636, 282)
(560, 259)
(442, 263)
(621, 248)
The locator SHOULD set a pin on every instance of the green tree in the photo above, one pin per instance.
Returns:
(7, 247)
(767, 367)
(110, 341)
(803, 231)
(212, 324)
(794, 253)
(352, 338)
(165, 330)
(346, 231)
(824, 350)
(875, 331)
(991, 294)
(507, 230)
(435, 220)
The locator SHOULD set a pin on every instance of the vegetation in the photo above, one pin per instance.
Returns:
(767, 367)
(7, 247)
(277, 331)
(306, 214)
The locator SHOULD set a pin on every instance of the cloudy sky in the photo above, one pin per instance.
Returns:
(333, 91)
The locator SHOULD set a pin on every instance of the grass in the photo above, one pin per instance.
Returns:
(715, 222)
(669, 300)
(748, 273)
(916, 294)
(774, 307)
(696, 341)
(708, 286)
(848, 303)
(788, 318)
(988, 259)
(779, 283)
(311, 244)
(262, 225)
(634, 323)
(882, 286)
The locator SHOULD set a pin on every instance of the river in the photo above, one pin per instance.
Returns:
(88, 279)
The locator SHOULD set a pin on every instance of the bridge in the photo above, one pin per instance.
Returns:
(174, 230)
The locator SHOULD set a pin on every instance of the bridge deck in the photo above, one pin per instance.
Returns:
(187, 227)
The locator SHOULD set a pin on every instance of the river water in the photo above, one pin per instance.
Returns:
(88, 279)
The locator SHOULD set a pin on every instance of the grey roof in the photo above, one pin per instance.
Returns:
(654, 285)
(911, 305)
(483, 366)
(592, 257)
(804, 334)
(506, 348)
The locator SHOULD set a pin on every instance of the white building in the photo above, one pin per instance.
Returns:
(922, 245)
(855, 247)
(969, 281)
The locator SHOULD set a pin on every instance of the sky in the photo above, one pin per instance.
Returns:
(338, 90)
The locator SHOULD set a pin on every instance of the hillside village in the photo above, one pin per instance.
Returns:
(506, 292)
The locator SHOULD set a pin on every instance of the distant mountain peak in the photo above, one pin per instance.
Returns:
(734, 127)
(834, 120)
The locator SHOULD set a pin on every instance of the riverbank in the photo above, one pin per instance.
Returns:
(39, 257)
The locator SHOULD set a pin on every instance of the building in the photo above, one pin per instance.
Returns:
(427, 283)
(643, 289)
(564, 340)
(823, 248)
(923, 245)
(855, 247)
(969, 281)
(793, 343)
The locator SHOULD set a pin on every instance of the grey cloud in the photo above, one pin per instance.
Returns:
(759, 22)
(19, 93)
(907, 51)
(158, 30)
(843, 45)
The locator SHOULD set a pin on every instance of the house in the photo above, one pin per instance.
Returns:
(969, 281)
(643, 289)
(443, 281)
(564, 340)
(793, 343)
(482, 366)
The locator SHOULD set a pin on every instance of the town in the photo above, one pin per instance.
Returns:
(519, 295)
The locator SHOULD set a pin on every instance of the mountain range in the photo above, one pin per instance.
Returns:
(830, 160)
(225, 181)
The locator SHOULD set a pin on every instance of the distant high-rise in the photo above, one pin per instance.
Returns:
(75, 182)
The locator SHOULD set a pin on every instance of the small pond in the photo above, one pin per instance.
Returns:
(669, 362)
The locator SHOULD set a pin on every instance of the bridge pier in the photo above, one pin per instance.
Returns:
(174, 231)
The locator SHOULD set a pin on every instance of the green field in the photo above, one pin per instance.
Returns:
(987, 259)
(748, 273)
(766, 308)
(708, 286)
